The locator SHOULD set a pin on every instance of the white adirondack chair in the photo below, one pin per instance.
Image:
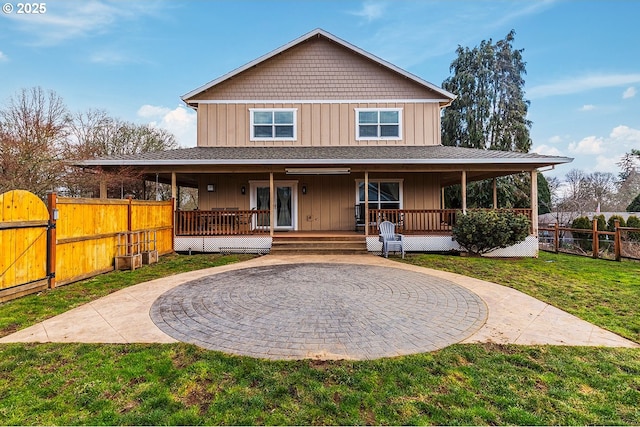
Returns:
(390, 240)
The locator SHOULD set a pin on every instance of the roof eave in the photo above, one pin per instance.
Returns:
(212, 162)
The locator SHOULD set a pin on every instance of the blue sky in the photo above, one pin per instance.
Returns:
(135, 59)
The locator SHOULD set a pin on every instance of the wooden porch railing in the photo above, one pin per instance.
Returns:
(422, 221)
(222, 222)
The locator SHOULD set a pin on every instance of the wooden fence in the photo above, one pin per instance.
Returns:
(624, 242)
(24, 235)
(80, 237)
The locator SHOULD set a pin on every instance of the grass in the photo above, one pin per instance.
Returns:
(29, 310)
(480, 384)
(605, 293)
(135, 384)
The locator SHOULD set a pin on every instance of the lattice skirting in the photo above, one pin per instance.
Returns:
(224, 244)
(528, 248)
(262, 244)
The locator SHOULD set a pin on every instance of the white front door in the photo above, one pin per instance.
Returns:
(286, 209)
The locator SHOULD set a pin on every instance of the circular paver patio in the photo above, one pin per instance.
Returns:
(326, 311)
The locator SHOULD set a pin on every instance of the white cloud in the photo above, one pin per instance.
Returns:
(588, 107)
(629, 93)
(582, 84)
(588, 145)
(625, 134)
(73, 19)
(556, 139)
(370, 11)
(603, 153)
(181, 121)
(547, 150)
(109, 58)
(608, 164)
(3, 57)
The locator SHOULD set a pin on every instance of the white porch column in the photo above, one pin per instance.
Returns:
(495, 193)
(366, 203)
(464, 192)
(534, 202)
(272, 205)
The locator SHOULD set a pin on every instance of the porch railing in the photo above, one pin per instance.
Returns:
(222, 222)
(422, 221)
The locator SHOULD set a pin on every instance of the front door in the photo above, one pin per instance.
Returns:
(286, 208)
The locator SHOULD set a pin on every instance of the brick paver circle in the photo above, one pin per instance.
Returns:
(324, 311)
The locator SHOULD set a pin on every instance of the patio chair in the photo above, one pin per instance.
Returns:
(390, 240)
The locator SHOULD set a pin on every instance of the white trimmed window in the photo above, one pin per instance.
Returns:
(378, 123)
(270, 124)
(383, 194)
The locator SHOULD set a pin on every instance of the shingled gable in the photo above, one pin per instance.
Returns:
(291, 72)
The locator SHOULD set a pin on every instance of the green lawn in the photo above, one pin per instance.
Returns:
(605, 293)
(101, 384)
(29, 310)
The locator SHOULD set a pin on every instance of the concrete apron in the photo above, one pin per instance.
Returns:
(513, 318)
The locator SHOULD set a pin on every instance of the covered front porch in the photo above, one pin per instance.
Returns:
(246, 196)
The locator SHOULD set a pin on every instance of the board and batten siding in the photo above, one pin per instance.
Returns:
(318, 124)
(330, 200)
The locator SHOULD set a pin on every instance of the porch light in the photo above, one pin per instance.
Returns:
(318, 171)
(243, 190)
(304, 189)
(211, 188)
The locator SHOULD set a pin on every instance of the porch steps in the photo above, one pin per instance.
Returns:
(319, 245)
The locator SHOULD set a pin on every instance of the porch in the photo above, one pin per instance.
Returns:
(236, 222)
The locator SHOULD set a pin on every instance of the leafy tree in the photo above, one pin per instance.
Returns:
(481, 231)
(634, 206)
(33, 127)
(544, 195)
(489, 113)
(490, 110)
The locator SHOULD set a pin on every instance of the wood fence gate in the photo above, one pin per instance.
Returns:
(24, 244)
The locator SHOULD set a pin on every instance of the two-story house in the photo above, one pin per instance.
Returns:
(321, 136)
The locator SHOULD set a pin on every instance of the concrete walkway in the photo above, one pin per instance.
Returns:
(510, 317)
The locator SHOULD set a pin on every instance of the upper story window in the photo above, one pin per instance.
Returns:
(377, 123)
(273, 124)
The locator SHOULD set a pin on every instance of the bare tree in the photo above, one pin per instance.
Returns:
(33, 126)
(96, 134)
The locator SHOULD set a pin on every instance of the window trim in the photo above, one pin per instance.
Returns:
(400, 182)
(378, 138)
(272, 110)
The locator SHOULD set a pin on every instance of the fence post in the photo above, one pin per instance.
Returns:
(596, 242)
(556, 238)
(617, 241)
(52, 244)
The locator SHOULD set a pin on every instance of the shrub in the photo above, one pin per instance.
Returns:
(585, 240)
(481, 231)
(634, 222)
(611, 223)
